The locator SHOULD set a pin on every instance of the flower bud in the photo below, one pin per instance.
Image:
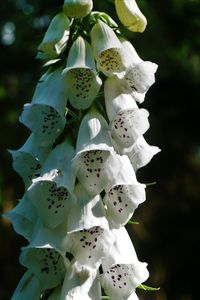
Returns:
(77, 8)
(130, 15)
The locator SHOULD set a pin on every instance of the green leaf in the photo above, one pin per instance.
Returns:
(147, 288)
(105, 298)
(133, 222)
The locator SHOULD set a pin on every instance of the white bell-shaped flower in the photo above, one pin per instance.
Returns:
(95, 161)
(141, 153)
(123, 272)
(51, 193)
(28, 159)
(140, 78)
(123, 195)
(23, 217)
(28, 285)
(128, 126)
(116, 99)
(45, 116)
(78, 283)
(86, 212)
(56, 38)
(107, 49)
(130, 15)
(77, 8)
(44, 256)
(80, 75)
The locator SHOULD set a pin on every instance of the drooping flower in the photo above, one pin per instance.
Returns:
(77, 8)
(56, 38)
(51, 193)
(28, 285)
(107, 49)
(86, 212)
(28, 159)
(45, 116)
(123, 272)
(79, 282)
(130, 15)
(141, 153)
(44, 256)
(95, 161)
(128, 126)
(80, 75)
(23, 217)
(123, 195)
(116, 99)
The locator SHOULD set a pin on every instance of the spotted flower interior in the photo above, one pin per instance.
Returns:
(80, 162)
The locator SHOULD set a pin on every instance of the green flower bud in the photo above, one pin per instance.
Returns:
(77, 8)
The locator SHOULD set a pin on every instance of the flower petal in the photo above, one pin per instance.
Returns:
(123, 196)
(116, 99)
(23, 217)
(45, 263)
(130, 15)
(95, 160)
(141, 153)
(87, 212)
(90, 246)
(78, 282)
(107, 49)
(28, 159)
(80, 75)
(122, 270)
(56, 38)
(28, 285)
(128, 126)
(45, 116)
(55, 295)
(77, 8)
(140, 78)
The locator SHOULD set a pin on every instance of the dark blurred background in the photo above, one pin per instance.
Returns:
(168, 235)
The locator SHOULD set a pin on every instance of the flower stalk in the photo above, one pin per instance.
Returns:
(81, 186)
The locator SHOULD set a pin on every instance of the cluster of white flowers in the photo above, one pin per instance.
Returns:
(78, 199)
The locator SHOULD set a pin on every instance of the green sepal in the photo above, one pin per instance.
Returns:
(150, 183)
(148, 288)
(133, 222)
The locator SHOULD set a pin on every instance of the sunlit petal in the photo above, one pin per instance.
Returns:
(107, 49)
(130, 15)
(56, 38)
(45, 116)
(80, 75)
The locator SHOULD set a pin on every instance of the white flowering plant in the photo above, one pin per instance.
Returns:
(79, 164)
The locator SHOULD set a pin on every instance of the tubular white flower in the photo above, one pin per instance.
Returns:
(44, 256)
(139, 78)
(95, 161)
(28, 285)
(123, 272)
(89, 246)
(128, 126)
(116, 99)
(141, 153)
(78, 282)
(132, 57)
(130, 15)
(87, 212)
(77, 8)
(80, 75)
(107, 49)
(23, 217)
(56, 38)
(51, 193)
(123, 195)
(28, 159)
(45, 116)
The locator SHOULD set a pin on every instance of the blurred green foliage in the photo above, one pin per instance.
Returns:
(168, 234)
